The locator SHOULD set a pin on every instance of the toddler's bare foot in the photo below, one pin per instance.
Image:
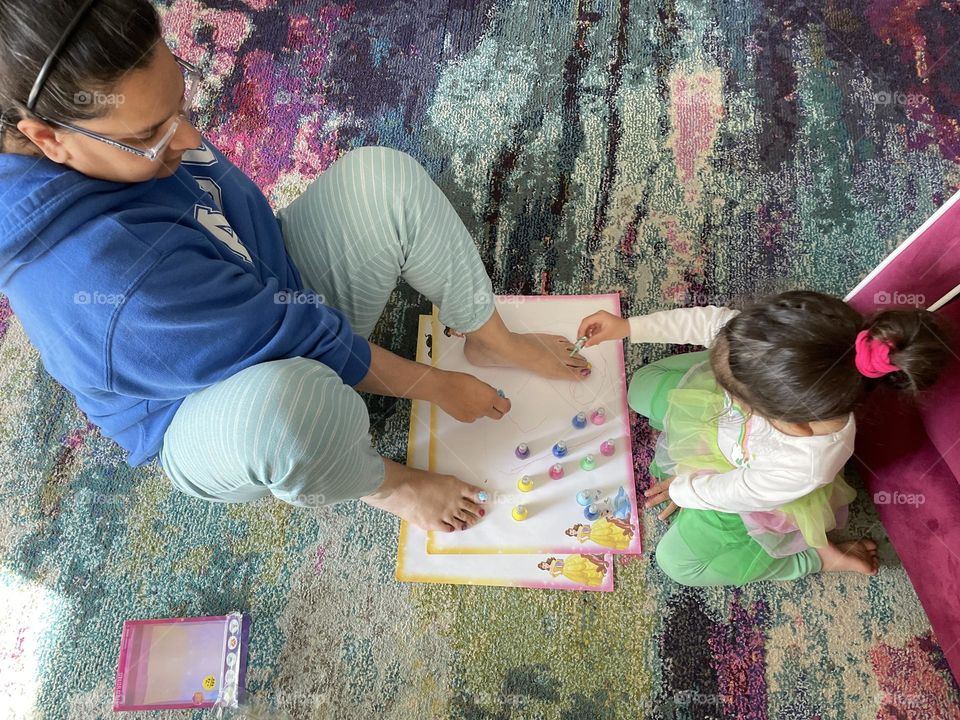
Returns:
(547, 355)
(428, 500)
(852, 556)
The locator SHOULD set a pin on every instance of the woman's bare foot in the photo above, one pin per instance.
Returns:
(852, 556)
(547, 355)
(428, 500)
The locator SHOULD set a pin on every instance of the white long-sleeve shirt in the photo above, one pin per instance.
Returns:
(770, 467)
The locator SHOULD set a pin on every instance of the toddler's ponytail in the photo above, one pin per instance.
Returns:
(803, 356)
(918, 346)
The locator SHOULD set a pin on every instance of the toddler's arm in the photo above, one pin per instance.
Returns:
(792, 468)
(742, 489)
(683, 326)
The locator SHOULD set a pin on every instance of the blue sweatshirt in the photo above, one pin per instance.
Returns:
(137, 295)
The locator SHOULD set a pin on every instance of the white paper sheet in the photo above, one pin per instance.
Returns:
(482, 453)
(414, 564)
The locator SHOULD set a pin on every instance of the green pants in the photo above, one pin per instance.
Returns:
(705, 547)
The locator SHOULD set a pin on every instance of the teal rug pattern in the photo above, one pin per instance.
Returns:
(677, 152)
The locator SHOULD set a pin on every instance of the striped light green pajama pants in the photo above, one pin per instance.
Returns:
(291, 428)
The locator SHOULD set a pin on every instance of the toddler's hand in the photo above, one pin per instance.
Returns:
(603, 326)
(657, 494)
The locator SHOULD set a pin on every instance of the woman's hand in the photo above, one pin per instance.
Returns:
(466, 398)
(603, 326)
(657, 494)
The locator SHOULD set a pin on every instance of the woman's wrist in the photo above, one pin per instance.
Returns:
(430, 387)
(394, 376)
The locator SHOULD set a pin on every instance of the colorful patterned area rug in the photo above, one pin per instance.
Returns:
(678, 152)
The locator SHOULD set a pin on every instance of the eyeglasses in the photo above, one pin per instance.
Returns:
(191, 81)
(191, 77)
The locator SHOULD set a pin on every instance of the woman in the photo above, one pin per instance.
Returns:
(193, 325)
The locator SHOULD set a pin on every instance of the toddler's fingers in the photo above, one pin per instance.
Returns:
(584, 326)
(657, 488)
(657, 499)
(667, 511)
(591, 324)
(595, 336)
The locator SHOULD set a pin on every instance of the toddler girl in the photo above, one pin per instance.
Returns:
(756, 430)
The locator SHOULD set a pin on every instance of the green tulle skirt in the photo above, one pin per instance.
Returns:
(688, 445)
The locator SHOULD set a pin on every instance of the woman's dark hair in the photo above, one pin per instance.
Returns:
(113, 38)
(791, 357)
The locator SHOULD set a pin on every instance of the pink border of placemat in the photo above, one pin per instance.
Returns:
(636, 547)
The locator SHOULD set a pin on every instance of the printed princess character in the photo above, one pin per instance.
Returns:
(610, 532)
(581, 569)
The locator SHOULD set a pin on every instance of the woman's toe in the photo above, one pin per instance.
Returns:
(466, 518)
(470, 506)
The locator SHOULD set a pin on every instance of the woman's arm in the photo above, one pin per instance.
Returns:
(461, 396)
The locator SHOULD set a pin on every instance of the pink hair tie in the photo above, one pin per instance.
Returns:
(873, 356)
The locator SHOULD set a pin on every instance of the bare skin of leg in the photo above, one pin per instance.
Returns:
(852, 556)
(493, 345)
(428, 500)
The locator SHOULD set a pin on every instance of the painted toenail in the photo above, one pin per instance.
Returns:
(482, 496)
(585, 372)
(482, 512)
